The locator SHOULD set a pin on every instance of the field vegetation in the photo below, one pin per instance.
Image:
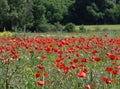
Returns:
(73, 62)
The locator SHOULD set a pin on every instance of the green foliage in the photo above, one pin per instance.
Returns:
(4, 7)
(117, 13)
(27, 15)
(44, 28)
(30, 14)
(70, 27)
(58, 27)
(93, 12)
(82, 29)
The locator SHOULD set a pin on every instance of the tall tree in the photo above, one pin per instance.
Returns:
(13, 13)
(4, 7)
(92, 11)
(117, 13)
(26, 15)
(39, 13)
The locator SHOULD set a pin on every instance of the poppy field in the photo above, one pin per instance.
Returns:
(60, 63)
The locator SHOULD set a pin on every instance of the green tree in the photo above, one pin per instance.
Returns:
(39, 14)
(26, 15)
(92, 11)
(117, 13)
(13, 13)
(3, 14)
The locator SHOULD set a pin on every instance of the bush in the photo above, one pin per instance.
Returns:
(82, 29)
(70, 27)
(57, 27)
(44, 28)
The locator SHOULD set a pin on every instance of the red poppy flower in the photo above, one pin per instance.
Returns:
(31, 51)
(46, 74)
(114, 72)
(109, 69)
(112, 57)
(15, 56)
(84, 60)
(106, 80)
(96, 59)
(87, 86)
(38, 71)
(81, 66)
(118, 67)
(13, 51)
(41, 67)
(73, 66)
(43, 56)
(85, 70)
(81, 74)
(41, 83)
(94, 52)
(75, 60)
(0, 50)
(77, 55)
(48, 49)
(37, 75)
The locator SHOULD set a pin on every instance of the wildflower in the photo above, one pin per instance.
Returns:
(43, 56)
(87, 86)
(112, 57)
(118, 67)
(13, 51)
(75, 60)
(41, 83)
(106, 80)
(37, 75)
(96, 59)
(0, 50)
(81, 74)
(46, 74)
(15, 56)
(109, 69)
(73, 66)
(94, 52)
(66, 70)
(78, 55)
(84, 60)
(114, 72)
(41, 67)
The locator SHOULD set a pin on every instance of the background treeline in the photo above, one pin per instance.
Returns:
(46, 15)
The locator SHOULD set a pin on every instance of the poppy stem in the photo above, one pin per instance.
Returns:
(43, 80)
(7, 78)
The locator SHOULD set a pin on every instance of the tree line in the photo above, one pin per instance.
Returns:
(37, 14)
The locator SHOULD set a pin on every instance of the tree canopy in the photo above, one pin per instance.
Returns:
(31, 14)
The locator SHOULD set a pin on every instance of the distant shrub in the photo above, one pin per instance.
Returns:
(82, 28)
(57, 27)
(44, 28)
(6, 34)
(70, 27)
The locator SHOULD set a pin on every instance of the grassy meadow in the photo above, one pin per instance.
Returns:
(100, 27)
(58, 60)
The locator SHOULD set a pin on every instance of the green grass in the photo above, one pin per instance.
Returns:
(100, 33)
(100, 27)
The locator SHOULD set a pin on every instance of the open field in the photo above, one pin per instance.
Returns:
(60, 61)
(100, 27)
(100, 33)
